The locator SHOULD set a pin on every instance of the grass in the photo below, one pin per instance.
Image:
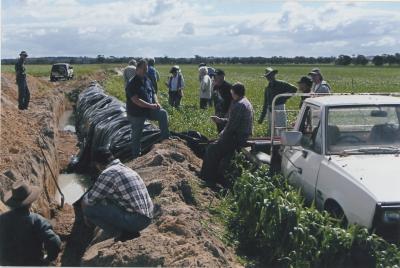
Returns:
(190, 117)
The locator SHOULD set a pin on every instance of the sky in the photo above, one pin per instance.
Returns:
(184, 28)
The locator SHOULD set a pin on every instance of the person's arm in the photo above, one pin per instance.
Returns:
(132, 92)
(182, 83)
(49, 238)
(157, 76)
(143, 104)
(234, 122)
(265, 107)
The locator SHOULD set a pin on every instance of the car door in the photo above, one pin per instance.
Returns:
(304, 161)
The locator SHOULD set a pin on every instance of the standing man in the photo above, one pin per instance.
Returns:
(23, 91)
(24, 235)
(129, 71)
(304, 84)
(274, 88)
(205, 88)
(175, 86)
(142, 104)
(319, 84)
(153, 74)
(238, 127)
(118, 202)
(222, 97)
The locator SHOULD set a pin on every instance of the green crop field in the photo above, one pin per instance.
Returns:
(190, 117)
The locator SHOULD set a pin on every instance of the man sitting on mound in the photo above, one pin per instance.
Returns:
(118, 202)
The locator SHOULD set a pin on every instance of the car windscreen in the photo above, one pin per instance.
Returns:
(59, 69)
(363, 129)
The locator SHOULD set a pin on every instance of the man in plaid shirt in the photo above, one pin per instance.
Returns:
(118, 202)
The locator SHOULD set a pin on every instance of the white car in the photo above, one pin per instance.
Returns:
(344, 154)
(61, 71)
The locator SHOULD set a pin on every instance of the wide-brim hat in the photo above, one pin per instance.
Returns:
(23, 53)
(21, 195)
(174, 68)
(269, 71)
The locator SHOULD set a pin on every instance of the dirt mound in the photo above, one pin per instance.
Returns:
(182, 232)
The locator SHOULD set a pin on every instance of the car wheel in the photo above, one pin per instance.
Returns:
(335, 210)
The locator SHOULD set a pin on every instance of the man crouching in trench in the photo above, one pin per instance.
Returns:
(118, 202)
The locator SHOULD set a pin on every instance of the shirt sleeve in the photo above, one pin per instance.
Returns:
(182, 82)
(132, 88)
(102, 188)
(265, 106)
(234, 121)
(50, 239)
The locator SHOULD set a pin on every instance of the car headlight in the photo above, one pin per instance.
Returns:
(391, 216)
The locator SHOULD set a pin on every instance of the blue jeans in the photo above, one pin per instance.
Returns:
(137, 124)
(115, 220)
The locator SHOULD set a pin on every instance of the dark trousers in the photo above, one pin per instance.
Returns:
(23, 94)
(217, 153)
(175, 98)
(204, 103)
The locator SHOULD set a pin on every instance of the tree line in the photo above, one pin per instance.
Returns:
(378, 60)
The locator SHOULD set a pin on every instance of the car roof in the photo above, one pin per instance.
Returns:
(60, 64)
(344, 100)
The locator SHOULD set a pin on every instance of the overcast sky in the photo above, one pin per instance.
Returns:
(184, 28)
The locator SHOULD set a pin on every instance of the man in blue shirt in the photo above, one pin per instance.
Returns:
(24, 235)
(153, 74)
(142, 104)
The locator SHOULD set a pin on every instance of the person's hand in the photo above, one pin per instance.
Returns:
(158, 105)
(154, 106)
(216, 119)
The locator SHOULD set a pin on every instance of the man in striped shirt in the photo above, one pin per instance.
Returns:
(118, 202)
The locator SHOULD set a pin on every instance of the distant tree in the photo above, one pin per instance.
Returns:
(343, 60)
(100, 59)
(378, 60)
(360, 60)
(390, 59)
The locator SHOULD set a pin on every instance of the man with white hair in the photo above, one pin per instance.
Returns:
(129, 71)
(205, 88)
(319, 84)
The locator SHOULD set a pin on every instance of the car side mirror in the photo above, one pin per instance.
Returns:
(291, 138)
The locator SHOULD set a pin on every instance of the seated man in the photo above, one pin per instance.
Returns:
(23, 234)
(118, 202)
(239, 126)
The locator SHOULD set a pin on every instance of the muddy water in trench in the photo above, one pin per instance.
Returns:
(72, 185)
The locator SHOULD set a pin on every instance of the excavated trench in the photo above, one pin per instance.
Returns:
(182, 233)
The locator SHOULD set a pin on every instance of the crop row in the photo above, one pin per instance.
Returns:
(269, 220)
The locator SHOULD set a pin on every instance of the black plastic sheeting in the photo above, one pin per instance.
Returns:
(101, 120)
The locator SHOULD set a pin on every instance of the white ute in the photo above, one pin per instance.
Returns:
(343, 154)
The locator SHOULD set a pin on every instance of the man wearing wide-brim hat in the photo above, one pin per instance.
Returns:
(274, 88)
(23, 234)
(23, 91)
(175, 85)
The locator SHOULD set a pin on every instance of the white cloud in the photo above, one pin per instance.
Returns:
(154, 27)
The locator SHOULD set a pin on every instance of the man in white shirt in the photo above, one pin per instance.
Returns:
(175, 86)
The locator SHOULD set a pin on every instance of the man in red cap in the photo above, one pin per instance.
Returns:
(23, 234)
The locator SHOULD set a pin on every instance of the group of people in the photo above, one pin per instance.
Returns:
(118, 202)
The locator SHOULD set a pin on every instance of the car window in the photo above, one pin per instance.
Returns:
(363, 127)
(311, 129)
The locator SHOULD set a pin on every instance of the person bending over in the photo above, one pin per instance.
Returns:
(118, 202)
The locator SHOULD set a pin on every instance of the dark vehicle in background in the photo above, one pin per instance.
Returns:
(61, 71)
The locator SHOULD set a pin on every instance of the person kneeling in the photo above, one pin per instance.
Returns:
(238, 127)
(118, 202)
